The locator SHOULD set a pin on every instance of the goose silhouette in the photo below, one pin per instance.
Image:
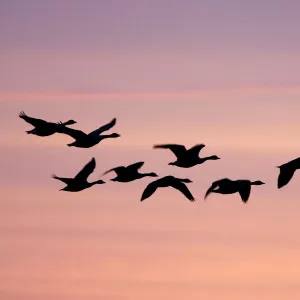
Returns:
(168, 181)
(287, 171)
(83, 140)
(186, 158)
(129, 173)
(42, 127)
(228, 186)
(79, 182)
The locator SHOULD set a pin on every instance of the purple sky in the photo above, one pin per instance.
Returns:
(174, 26)
(105, 46)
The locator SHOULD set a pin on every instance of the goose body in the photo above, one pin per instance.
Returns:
(287, 171)
(79, 182)
(227, 186)
(84, 140)
(130, 172)
(43, 128)
(168, 181)
(186, 158)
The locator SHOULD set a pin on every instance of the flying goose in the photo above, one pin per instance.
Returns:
(84, 140)
(168, 181)
(43, 128)
(287, 171)
(79, 182)
(228, 186)
(129, 173)
(186, 158)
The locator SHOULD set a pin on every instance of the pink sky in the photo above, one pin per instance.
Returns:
(182, 72)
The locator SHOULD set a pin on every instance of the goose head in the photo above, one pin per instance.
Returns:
(70, 122)
(97, 182)
(257, 182)
(186, 180)
(214, 157)
(114, 135)
(152, 174)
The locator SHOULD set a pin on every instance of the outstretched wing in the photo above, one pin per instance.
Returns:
(213, 186)
(180, 186)
(285, 176)
(118, 170)
(33, 121)
(74, 133)
(65, 180)
(244, 190)
(149, 190)
(103, 128)
(196, 149)
(178, 150)
(135, 166)
(86, 170)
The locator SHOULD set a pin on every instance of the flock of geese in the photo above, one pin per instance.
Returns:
(185, 158)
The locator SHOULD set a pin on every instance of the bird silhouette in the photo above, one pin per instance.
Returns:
(287, 171)
(129, 173)
(168, 181)
(79, 182)
(42, 127)
(228, 186)
(84, 140)
(186, 158)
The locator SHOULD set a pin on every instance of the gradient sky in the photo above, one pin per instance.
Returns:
(223, 73)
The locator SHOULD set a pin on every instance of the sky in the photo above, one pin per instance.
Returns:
(222, 73)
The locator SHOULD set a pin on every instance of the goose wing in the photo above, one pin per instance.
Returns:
(285, 176)
(244, 190)
(33, 121)
(196, 149)
(135, 166)
(216, 184)
(118, 170)
(74, 133)
(65, 180)
(103, 128)
(150, 189)
(294, 164)
(86, 170)
(178, 150)
(180, 186)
